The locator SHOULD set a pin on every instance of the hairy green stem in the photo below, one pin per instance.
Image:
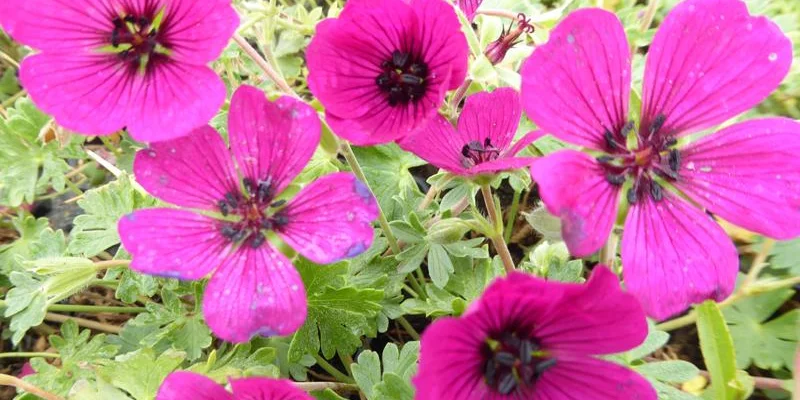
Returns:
(324, 364)
(512, 216)
(86, 323)
(352, 161)
(335, 386)
(407, 326)
(273, 75)
(8, 380)
(649, 14)
(87, 308)
(495, 216)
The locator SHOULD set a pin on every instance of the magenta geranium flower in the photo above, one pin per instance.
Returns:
(526, 338)
(383, 67)
(105, 65)
(469, 7)
(709, 61)
(482, 142)
(183, 385)
(254, 289)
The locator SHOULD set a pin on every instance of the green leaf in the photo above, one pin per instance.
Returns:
(655, 340)
(26, 304)
(30, 230)
(386, 168)
(96, 230)
(192, 336)
(235, 361)
(439, 265)
(140, 373)
(786, 255)
(367, 372)
(671, 371)
(97, 390)
(394, 387)
(394, 380)
(338, 315)
(768, 343)
(718, 353)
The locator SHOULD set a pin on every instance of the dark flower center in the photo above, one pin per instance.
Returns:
(250, 207)
(513, 363)
(474, 153)
(403, 78)
(652, 160)
(135, 38)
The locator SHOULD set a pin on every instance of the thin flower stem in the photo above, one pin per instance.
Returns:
(324, 364)
(100, 265)
(512, 216)
(649, 14)
(458, 96)
(498, 13)
(335, 386)
(609, 251)
(407, 326)
(87, 308)
(9, 101)
(10, 60)
(352, 161)
(28, 354)
(98, 326)
(497, 236)
(346, 361)
(759, 262)
(416, 285)
(741, 294)
(410, 291)
(8, 380)
(433, 191)
(273, 75)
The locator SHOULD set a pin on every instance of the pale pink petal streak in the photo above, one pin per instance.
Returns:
(709, 62)
(674, 255)
(577, 85)
(172, 243)
(748, 174)
(330, 219)
(254, 292)
(193, 171)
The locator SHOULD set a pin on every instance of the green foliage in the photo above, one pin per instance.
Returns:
(338, 314)
(96, 230)
(141, 372)
(718, 352)
(391, 382)
(386, 168)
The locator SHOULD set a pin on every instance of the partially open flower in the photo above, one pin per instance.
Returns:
(254, 289)
(383, 67)
(526, 338)
(482, 143)
(184, 385)
(105, 65)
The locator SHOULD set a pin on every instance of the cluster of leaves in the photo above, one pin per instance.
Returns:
(367, 308)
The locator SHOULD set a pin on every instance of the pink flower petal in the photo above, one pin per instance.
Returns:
(444, 45)
(78, 26)
(437, 143)
(748, 174)
(267, 389)
(330, 219)
(581, 378)
(172, 243)
(710, 61)
(597, 319)
(469, 7)
(272, 141)
(494, 116)
(450, 361)
(181, 385)
(525, 141)
(573, 187)
(674, 255)
(577, 85)
(198, 31)
(173, 99)
(500, 165)
(193, 171)
(255, 292)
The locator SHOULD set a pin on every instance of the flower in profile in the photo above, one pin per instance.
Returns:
(182, 385)
(105, 65)
(526, 338)
(254, 289)
(469, 8)
(382, 68)
(481, 145)
(496, 51)
(709, 62)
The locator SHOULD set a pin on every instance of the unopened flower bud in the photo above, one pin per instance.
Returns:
(447, 231)
(496, 51)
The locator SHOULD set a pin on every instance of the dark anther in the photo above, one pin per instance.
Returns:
(266, 223)
(403, 78)
(231, 200)
(615, 179)
(410, 79)
(280, 219)
(609, 137)
(545, 365)
(249, 186)
(632, 196)
(418, 69)
(264, 191)
(656, 191)
(489, 372)
(505, 358)
(465, 150)
(399, 59)
(257, 240)
(674, 159)
(475, 153)
(278, 203)
(223, 207)
(671, 142)
(507, 383)
(115, 38)
(627, 128)
(658, 123)
(130, 18)
(526, 349)
(229, 231)
(487, 142)
(605, 159)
